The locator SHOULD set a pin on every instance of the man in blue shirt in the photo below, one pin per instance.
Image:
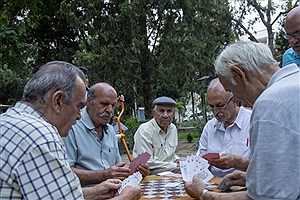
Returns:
(292, 29)
(92, 145)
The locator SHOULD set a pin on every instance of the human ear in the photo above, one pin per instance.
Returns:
(238, 75)
(57, 101)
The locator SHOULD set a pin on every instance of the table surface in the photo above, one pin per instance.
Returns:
(156, 179)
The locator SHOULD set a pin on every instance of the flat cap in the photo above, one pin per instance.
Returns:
(164, 101)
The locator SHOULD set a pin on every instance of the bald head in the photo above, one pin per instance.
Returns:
(216, 87)
(101, 102)
(100, 89)
(292, 27)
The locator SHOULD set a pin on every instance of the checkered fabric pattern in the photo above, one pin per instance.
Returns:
(33, 162)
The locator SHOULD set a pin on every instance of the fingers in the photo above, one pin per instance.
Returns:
(143, 169)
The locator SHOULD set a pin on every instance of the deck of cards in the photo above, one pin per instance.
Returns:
(140, 159)
(195, 165)
(133, 180)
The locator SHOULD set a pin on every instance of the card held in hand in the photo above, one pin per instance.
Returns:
(210, 156)
(133, 180)
(140, 159)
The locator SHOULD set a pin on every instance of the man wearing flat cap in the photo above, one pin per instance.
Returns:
(159, 137)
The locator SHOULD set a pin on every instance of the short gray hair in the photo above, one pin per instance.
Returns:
(51, 77)
(251, 56)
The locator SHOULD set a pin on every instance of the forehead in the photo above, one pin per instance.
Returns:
(80, 89)
(215, 95)
(106, 94)
(164, 107)
(292, 23)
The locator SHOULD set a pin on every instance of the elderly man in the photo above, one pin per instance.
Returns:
(92, 145)
(159, 138)
(33, 162)
(292, 29)
(227, 133)
(249, 70)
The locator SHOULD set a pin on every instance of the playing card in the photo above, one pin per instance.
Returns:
(133, 180)
(195, 165)
(222, 186)
(140, 159)
(210, 156)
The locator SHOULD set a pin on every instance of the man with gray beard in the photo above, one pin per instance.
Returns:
(92, 146)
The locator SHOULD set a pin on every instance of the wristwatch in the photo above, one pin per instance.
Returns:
(203, 192)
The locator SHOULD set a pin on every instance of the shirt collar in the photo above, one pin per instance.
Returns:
(29, 109)
(282, 73)
(238, 121)
(156, 126)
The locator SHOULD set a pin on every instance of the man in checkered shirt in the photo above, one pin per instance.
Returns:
(33, 161)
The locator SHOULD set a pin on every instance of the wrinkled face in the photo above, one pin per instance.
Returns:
(71, 111)
(292, 29)
(163, 114)
(221, 104)
(102, 107)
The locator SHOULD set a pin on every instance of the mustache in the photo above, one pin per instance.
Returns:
(106, 114)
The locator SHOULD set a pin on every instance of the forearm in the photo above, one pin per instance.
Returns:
(241, 163)
(90, 193)
(242, 195)
(87, 177)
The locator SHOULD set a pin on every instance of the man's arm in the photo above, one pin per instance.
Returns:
(227, 161)
(118, 171)
(195, 188)
(108, 190)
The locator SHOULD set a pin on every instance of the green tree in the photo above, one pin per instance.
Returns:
(260, 12)
(149, 48)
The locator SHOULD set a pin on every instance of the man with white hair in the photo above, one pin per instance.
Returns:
(250, 72)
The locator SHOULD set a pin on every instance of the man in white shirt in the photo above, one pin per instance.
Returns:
(227, 133)
(159, 137)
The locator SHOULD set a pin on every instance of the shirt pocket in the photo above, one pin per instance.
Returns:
(241, 148)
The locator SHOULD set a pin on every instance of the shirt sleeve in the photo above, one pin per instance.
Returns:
(274, 175)
(203, 142)
(45, 174)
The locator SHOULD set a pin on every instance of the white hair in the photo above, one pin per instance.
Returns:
(250, 56)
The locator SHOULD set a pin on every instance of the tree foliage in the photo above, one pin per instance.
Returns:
(260, 12)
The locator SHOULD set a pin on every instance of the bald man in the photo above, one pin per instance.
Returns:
(92, 146)
(292, 29)
(227, 133)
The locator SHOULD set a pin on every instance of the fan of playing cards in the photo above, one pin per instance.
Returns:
(195, 165)
(133, 180)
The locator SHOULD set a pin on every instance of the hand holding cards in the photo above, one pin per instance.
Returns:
(133, 180)
(210, 156)
(195, 165)
(140, 159)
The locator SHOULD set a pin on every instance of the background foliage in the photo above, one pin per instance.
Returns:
(143, 48)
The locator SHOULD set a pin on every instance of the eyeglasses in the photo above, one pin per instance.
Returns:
(295, 35)
(222, 107)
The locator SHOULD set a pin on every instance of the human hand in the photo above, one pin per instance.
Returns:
(119, 100)
(144, 169)
(225, 161)
(130, 192)
(236, 178)
(108, 188)
(119, 171)
(194, 188)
